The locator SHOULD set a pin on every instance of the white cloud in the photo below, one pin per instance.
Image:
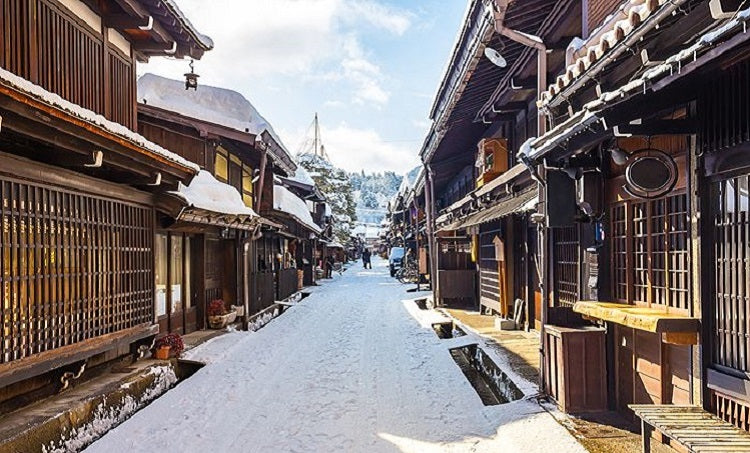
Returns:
(422, 125)
(379, 16)
(292, 38)
(356, 149)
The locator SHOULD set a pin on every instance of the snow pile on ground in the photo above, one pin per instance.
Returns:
(106, 417)
(348, 369)
(206, 192)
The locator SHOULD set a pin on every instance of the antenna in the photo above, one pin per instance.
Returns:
(317, 134)
(318, 149)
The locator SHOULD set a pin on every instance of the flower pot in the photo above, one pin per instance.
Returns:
(221, 321)
(162, 353)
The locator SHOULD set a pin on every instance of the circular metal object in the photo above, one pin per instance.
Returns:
(650, 173)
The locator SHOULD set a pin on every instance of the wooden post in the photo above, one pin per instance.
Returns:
(262, 178)
(501, 275)
(432, 241)
(646, 431)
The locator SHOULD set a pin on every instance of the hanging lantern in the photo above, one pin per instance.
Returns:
(191, 78)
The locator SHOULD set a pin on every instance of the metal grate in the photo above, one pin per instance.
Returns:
(74, 267)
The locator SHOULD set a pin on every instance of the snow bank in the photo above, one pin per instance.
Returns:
(107, 417)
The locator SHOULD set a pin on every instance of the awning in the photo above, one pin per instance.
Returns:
(649, 319)
(208, 201)
(510, 205)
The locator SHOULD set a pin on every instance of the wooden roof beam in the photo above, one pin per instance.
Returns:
(128, 22)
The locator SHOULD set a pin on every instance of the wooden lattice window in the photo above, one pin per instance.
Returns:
(567, 259)
(73, 267)
(649, 243)
(619, 240)
(731, 304)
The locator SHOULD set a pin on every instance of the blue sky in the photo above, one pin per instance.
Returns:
(370, 69)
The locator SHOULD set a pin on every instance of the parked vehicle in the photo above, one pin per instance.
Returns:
(395, 259)
(408, 272)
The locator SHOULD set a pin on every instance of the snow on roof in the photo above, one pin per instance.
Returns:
(207, 193)
(211, 104)
(301, 175)
(286, 201)
(204, 40)
(631, 15)
(52, 99)
(672, 65)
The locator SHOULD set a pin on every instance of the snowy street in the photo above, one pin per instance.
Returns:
(352, 368)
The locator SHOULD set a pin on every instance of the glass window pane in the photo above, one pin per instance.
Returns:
(220, 167)
(160, 249)
(176, 271)
(247, 180)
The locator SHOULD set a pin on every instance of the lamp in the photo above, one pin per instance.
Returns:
(191, 78)
(495, 57)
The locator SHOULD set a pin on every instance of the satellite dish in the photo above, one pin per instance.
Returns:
(495, 57)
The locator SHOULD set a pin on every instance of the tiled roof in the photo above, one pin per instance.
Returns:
(631, 16)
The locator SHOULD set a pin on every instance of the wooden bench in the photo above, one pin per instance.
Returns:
(692, 427)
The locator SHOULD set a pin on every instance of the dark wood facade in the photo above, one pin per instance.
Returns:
(77, 213)
(679, 252)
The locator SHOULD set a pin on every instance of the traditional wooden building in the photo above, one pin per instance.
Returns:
(233, 251)
(78, 186)
(309, 250)
(479, 196)
(644, 176)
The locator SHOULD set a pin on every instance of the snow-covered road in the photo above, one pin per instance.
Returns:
(353, 368)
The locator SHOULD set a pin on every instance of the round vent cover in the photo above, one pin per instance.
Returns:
(650, 173)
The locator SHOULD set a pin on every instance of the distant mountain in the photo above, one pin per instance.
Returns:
(371, 193)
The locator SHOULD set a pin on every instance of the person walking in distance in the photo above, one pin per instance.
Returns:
(328, 269)
(366, 259)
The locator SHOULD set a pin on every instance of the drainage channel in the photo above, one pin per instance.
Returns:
(422, 303)
(490, 382)
(448, 329)
(83, 425)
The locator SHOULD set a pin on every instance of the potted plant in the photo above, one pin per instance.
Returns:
(169, 345)
(218, 316)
